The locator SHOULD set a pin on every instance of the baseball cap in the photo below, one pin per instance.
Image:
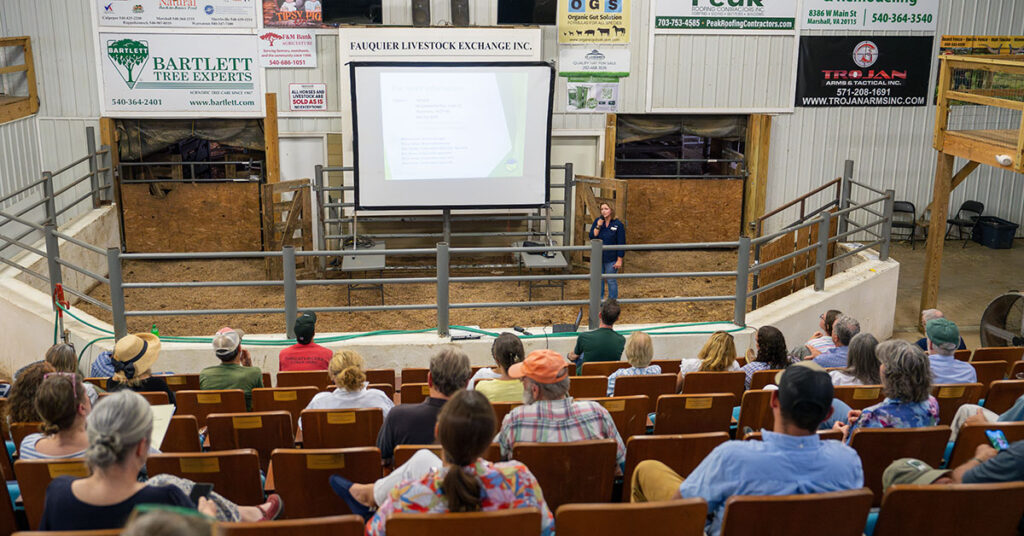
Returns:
(305, 327)
(942, 331)
(541, 366)
(911, 471)
(805, 390)
(226, 340)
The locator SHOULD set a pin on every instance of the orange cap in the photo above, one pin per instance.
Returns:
(541, 366)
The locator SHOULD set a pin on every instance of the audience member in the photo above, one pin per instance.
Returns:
(932, 314)
(134, 356)
(5, 382)
(21, 405)
(974, 414)
(119, 429)
(103, 366)
(63, 405)
(413, 424)
(165, 520)
(791, 459)
(346, 370)
(231, 373)
(305, 354)
(942, 343)
(843, 330)
(863, 365)
(549, 414)
(821, 341)
(771, 353)
(906, 383)
(63, 358)
(601, 344)
(717, 355)
(639, 353)
(507, 350)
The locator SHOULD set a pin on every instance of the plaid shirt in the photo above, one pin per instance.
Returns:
(559, 421)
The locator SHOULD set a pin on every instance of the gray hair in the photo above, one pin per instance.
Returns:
(844, 328)
(930, 314)
(908, 375)
(116, 426)
(548, 391)
(450, 370)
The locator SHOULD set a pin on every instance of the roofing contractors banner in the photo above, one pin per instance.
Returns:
(593, 21)
(725, 14)
(874, 71)
(180, 75)
(857, 15)
(176, 13)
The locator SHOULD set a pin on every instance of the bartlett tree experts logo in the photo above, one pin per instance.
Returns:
(128, 57)
(865, 54)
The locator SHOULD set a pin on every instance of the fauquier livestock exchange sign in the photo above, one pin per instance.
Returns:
(714, 15)
(868, 70)
(176, 13)
(179, 75)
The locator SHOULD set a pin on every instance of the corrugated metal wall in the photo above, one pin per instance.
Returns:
(20, 165)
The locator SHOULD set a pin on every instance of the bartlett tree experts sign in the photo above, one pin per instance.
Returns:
(176, 13)
(174, 75)
(710, 15)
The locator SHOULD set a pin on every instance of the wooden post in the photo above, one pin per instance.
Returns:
(270, 140)
(608, 169)
(937, 231)
(759, 130)
(960, 176)
(30, 78)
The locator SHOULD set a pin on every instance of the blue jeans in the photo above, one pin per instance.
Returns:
(613, 284)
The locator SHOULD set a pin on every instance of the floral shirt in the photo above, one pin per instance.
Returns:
(891, 413)
(631, 371)
(504, 485)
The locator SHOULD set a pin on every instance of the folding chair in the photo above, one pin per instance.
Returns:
(651, 385)
(988, 372)
(263, 431)
(684, 517)
(603, 368)
(503, 408)
(202, 403)
(762, 378)
(900, 220)
(588, 386)
(681, 452)
(381, 376)
(349, 525)
(234, 474)
(35, 475)
(859, 396)
(182, 435)
(181, 382)
(951, 396)
(414, 375)
(839, 513)
(21, 430)
(1003, 394)
(1008, 354)
(668, 366)
(341, 428)
(414, 393)
(694, 414)
(290, 399)
(511, 522)
(303, 378)
(580, 471)
(628, 412)
(972, 435)
(951, 509)
(755, 412)
(966, 217)
(878, 447)
(301, 477)
(695, 383)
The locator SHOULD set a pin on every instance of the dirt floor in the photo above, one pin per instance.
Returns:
(332, 296)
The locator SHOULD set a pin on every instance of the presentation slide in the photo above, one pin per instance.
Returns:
(451, 135)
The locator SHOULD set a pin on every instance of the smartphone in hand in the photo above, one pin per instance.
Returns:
(998, 439)
(200, 489)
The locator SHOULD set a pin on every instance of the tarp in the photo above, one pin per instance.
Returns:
(141, 138)
(633, 128)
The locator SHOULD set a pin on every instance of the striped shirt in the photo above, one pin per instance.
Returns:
(631, 371)
(28, 450)
(559, 421)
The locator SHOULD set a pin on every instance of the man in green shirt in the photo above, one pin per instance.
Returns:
(230, 373)
(601, 344)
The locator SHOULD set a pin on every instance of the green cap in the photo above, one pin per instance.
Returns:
(942, 331)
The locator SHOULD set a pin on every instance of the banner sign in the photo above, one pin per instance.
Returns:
(440, 44)
(612, 61)
(307, 97)
(725, 14)
(177, 13)
(287, 49)
(857, 15)
(981, 44)
(836, 71)
(294, 14)
(180, 75)
(593, 21)
(593, 95)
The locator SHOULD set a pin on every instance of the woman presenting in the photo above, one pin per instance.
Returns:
(612, 232)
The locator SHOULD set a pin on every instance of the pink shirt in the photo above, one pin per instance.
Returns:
(310, 356)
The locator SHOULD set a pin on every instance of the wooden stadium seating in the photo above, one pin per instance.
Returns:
(1017, 371)
(414, 375)
(301, 478)
(20, 430)
(349, 525)
(503, 408)
(839, 513)
(5, 427)
(859, 396)
(715, 382)
(404, 452)
(755, 412)
(588, 386)
(387, 388)
(155, 398)
(683, 517)
(682, 453)
(102, 382)
(35, 475)
(603, 368)
(694, 414)
(5, 466)
(834, 435)
(290, 399)
(988, 372)
(385, 375)
(953, 395)
(181, 382)
(1003, 394)
(652, 385)
(511, 522)
(761, 378)
(8, 522)
(234, 474)
(972, 435)
(962, 355)
(100, 532)
(1006, 354)
(202, 403)
(266, 379)
(951, 510)
(580, 471)
(182, 435)
(303, 378)
(628, 412)
(668, 366)
(414, 393)
(878, 447)
(341, 428)
(263, 431)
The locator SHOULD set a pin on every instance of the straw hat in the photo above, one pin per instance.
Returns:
(134, 355)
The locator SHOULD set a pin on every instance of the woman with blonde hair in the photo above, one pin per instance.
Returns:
(717, 355)
(346, 369)
(639, 352)
(133, 360)
(62, 357)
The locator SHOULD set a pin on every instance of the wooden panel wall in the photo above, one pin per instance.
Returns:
(684, 210)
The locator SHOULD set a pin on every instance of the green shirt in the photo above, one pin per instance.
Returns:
(602, 344)
(232, 376)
